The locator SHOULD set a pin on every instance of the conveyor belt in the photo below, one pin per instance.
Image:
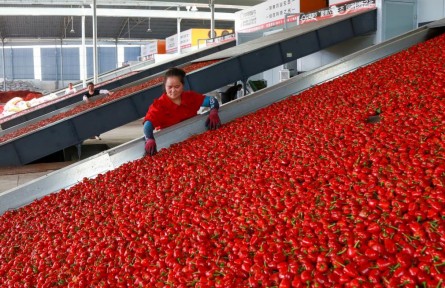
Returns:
(437, 24)
(133, 150)
(69, 107)
(118, 82)
(330, 31)
(256, 57)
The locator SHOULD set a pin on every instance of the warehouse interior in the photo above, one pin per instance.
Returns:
(299, 141)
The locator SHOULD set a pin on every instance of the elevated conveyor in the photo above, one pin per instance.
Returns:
(245, 60)
(116, 79)
(69, 107)
(133, 150)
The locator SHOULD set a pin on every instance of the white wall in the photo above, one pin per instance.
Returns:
(430, 10)
(331, 54)
(427, 10)
(272, 75)
(332, 2)
(318, 59)
(37, 63)
(120, 55)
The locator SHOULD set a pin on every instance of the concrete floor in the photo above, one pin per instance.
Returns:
(11, 177)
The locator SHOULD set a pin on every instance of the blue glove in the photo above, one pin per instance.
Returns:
(213, 122)
(150, 147)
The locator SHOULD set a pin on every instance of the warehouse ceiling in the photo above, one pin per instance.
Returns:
(117, 20)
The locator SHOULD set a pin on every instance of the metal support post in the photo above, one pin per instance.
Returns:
(212, 20)
(61, 63)
(244, 81)
(95, 62)
(79, 150)
(178, 28)
(4, 64)
(83, 56)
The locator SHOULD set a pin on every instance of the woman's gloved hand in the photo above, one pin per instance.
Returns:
(150, 147)
(213, 122)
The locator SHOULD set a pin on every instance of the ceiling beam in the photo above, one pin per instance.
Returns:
(127, 26)
(105, 12)
(128, 3)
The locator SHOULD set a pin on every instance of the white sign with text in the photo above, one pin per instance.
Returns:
(172, 41)
(265, 15)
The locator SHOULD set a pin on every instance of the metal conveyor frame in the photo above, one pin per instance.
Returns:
(133, 150)
(117, 83)
(274, 50)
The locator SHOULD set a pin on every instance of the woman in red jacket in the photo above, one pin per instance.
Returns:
(176, 105)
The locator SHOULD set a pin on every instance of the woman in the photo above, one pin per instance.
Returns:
(70, 89)
(176, 105)
(231, 93)
(91, 92)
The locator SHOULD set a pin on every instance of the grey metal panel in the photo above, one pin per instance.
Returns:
(398, 17)
(71, 63)
(131, 53)
(436, 24)
(365, 23)
(23, 62)
(9, 155)
(96, 121)
(331, 35)
(49, 63)
(112, 158)
(107, 59)
(89, 61)
(246, 37)
(8, 62)
(44, 142)
(261, 60)
(298, 47)
(1, 63)
(142, 100)
(216, 76)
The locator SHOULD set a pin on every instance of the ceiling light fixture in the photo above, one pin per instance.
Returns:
(149, 22)
(72, 25)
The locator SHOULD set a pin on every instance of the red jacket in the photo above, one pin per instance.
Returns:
(164, 113)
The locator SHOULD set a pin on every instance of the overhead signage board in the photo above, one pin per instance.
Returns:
(272, 13)
(190, 39)
(172, 41)
(337, 9)
(266, 15)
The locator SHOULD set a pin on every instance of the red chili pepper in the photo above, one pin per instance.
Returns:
(304, 192)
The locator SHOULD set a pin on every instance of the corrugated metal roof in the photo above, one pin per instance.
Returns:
(59, 27)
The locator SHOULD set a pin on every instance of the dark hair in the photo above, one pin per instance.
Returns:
(175, 72)
(90, 83)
